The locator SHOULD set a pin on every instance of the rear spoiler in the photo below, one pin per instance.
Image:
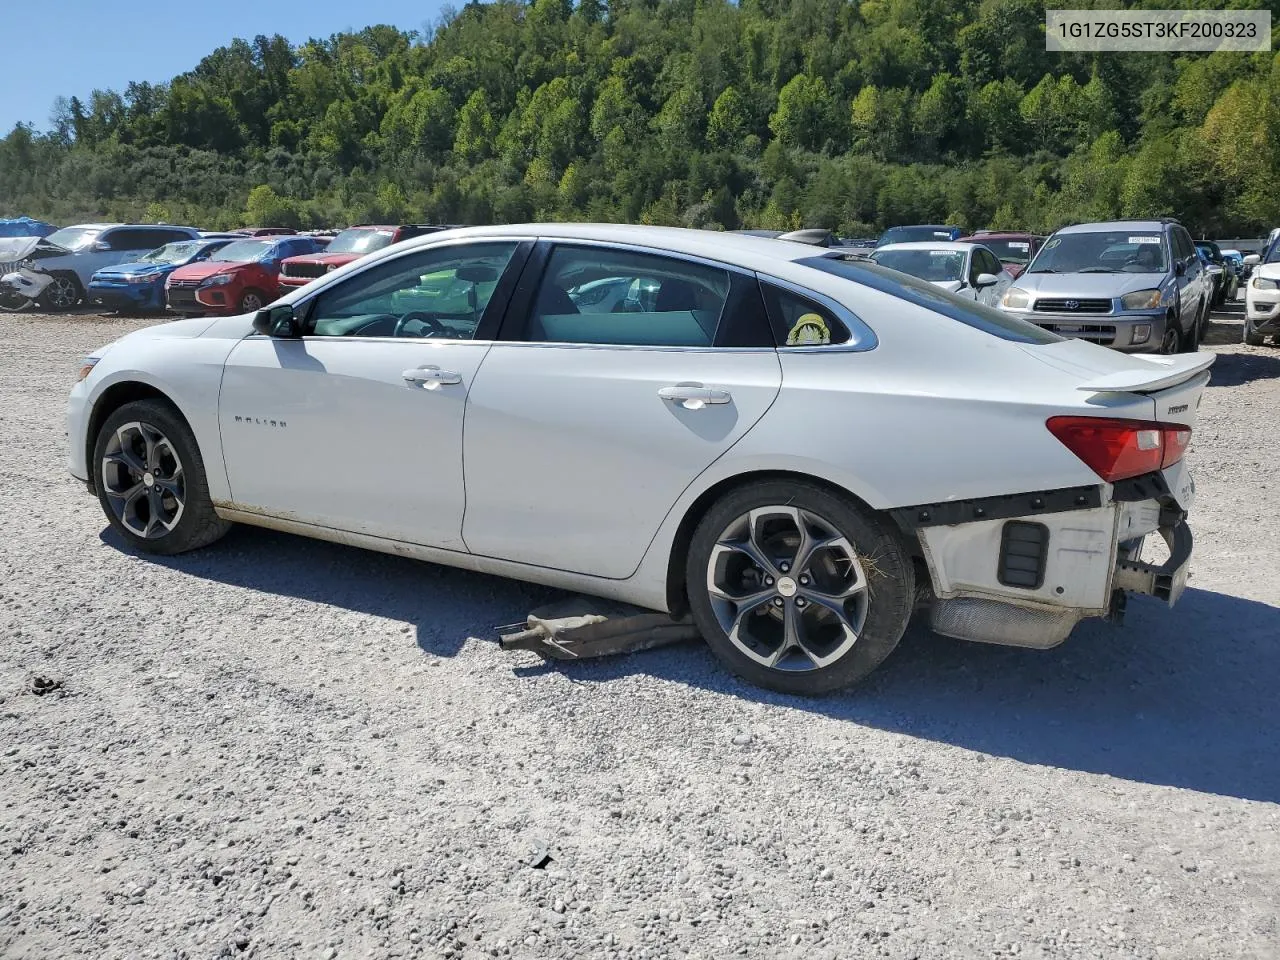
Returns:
(1165, 372)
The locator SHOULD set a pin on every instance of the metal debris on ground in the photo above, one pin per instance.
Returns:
(580, 628)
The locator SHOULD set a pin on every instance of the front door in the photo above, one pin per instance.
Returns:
(608, 398)
(357, 425)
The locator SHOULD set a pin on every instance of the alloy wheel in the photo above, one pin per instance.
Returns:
(250, 303)
(143, 480)
(787, 588)
(62, 293)
(12, 302)
(1172, 340)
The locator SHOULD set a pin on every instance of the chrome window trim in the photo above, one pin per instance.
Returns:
(861, 337)
(652, 251)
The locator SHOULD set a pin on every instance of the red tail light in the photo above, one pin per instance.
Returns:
(1116, 449)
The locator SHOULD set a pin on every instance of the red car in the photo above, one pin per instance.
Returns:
(1013, 249)
(240, 278)
(351, 244)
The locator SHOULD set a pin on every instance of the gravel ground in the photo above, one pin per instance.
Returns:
(282, 748)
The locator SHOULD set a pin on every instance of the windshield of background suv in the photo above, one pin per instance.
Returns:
(73, 238)
(171, 253)
(359, 241)
(244, 251)
(924, 294)
(1110, 251)
(912, 234)
(1009, 251)
(939, 266)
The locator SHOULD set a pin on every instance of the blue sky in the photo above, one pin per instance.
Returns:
(70, 47)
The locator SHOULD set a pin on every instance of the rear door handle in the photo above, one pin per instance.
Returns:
(694, 396)
(430, 377)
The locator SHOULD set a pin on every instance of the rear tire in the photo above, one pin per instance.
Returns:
(151, 481)
(796, 588)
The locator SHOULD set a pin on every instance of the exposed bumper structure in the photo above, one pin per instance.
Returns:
(1003, 574)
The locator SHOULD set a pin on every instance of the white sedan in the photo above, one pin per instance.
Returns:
(968, 269)
(794, 446)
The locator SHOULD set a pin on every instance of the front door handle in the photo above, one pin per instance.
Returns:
(430, 377)
(694, 396)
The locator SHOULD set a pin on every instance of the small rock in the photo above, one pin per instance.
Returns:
(742, 739)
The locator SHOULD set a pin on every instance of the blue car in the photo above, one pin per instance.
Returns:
(140, 285)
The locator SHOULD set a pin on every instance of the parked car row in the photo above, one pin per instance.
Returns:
(183, 269)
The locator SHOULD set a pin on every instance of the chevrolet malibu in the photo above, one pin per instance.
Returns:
(795, 448)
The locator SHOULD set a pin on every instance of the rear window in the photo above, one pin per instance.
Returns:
(931, 297)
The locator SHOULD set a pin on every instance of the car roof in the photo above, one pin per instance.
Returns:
(923, 226)
(1114, 226)
(737, 248)
(980, 235)
(958, 246)
(92, 226)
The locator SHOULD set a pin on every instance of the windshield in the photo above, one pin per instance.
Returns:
(969, 312)
(171, 253)
(1112, 251)
(1273, 255)
(936, 266)
(912, 234)
(360, 241)
(73, 238)
(1009, 251)
(244, 251)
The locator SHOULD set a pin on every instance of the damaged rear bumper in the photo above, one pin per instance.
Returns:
(1002, 573)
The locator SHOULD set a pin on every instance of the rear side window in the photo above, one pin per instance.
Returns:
(799, 321)
(931, 297)
(602, 296)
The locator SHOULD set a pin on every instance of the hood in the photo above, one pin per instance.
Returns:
(205, 269)
(337, 259)
(18, 248)
(1269, 270)
(138, 266)
(1082, 286)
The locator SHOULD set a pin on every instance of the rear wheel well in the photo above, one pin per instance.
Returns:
(677, 598)
(112, 399)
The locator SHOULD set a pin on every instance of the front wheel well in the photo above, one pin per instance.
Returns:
(112, 399)
(677, 598)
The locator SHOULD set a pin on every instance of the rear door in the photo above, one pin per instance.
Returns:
(593, 412)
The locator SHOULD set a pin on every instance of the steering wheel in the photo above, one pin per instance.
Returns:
(432, 324)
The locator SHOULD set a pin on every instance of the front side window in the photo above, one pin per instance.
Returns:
(602, 296)
(440, 293)
(1103, 251)
(987, 263)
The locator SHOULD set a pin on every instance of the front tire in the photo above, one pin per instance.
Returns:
(151, 482)
(63, 293)
(796, 588)
(251, 301)
(1172, 342)
(1251, 336)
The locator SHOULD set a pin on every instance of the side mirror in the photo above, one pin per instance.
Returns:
(277, 322)
(1252, 260)
(986, 280)
(101, 246)
(1180, 268)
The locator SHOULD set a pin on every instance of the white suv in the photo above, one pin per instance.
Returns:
(73, 255)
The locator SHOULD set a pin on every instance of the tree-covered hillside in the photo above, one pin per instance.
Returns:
(769, 113)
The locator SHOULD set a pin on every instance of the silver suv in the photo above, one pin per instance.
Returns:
(1135, 285)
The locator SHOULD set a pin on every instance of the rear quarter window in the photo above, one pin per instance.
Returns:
(924, 294)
